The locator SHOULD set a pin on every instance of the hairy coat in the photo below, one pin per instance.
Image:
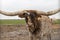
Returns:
(39, 26)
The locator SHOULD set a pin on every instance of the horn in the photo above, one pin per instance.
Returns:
(20, 13)
(39, 13)
(49, 13)
(53, 12)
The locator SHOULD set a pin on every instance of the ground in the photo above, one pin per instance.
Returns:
(20, 32)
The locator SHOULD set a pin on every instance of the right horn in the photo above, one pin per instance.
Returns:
(19, 13)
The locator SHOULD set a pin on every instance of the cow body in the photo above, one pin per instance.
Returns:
(38, 22)
(39, 26)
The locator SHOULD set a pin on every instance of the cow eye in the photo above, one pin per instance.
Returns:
(25, 14)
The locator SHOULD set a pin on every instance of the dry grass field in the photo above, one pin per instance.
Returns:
(14, 30)
(20, 32)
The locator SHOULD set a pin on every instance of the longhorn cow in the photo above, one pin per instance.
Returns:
(37, 21)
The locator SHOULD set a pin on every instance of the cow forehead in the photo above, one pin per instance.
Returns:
(31, 11)
(38, 18)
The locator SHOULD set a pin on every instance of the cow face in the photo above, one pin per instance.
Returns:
(32, 21)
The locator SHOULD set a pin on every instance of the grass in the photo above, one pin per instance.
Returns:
(22, 21)
(57, 21)
(12, 21)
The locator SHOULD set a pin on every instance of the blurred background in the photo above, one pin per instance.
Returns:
(15, 5)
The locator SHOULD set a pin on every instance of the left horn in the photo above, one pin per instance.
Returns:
(53, 12)
(48, 13)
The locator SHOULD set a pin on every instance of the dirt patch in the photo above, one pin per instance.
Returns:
(56, 26)
(20, 32)
(14, 32)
